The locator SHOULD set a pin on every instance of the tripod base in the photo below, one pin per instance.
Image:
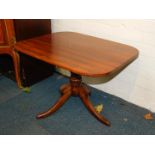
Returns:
(74, 88)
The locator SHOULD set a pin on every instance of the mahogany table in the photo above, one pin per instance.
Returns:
(82, 55)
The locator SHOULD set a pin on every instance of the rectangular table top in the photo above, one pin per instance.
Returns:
(79, 53)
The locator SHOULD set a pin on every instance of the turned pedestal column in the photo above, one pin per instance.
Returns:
(74, 88)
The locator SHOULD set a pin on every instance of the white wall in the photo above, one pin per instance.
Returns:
(137, 82)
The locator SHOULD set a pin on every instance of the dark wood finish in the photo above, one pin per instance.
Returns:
(81, 55)
(7, 44)
(56, 106)
(12, 30)
(33, 70)
(6, 33)
(74, 88)
(3, 33)
(29, 28)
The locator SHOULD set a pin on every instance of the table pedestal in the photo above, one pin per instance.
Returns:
(74, 88)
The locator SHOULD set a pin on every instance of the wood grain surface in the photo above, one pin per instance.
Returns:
(79, 53)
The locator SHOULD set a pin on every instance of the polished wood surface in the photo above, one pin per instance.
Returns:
(78, 53)
(81, 55)
(12, 30)
(74, 88)
(6, 34)
(7, 44)
(3, 36)
(31, 69)
(29, 28)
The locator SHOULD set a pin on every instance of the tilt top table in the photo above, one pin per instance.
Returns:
(82, 55)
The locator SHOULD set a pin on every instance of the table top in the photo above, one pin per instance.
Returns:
(79, 53)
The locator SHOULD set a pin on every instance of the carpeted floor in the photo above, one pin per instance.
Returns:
(18, 110)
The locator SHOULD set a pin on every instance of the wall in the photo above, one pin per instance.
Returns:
(137, 82)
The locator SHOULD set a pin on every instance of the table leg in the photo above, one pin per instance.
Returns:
(56, 106)
(74, 88)
(85, 99)
(16, 60)
(64, 88)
